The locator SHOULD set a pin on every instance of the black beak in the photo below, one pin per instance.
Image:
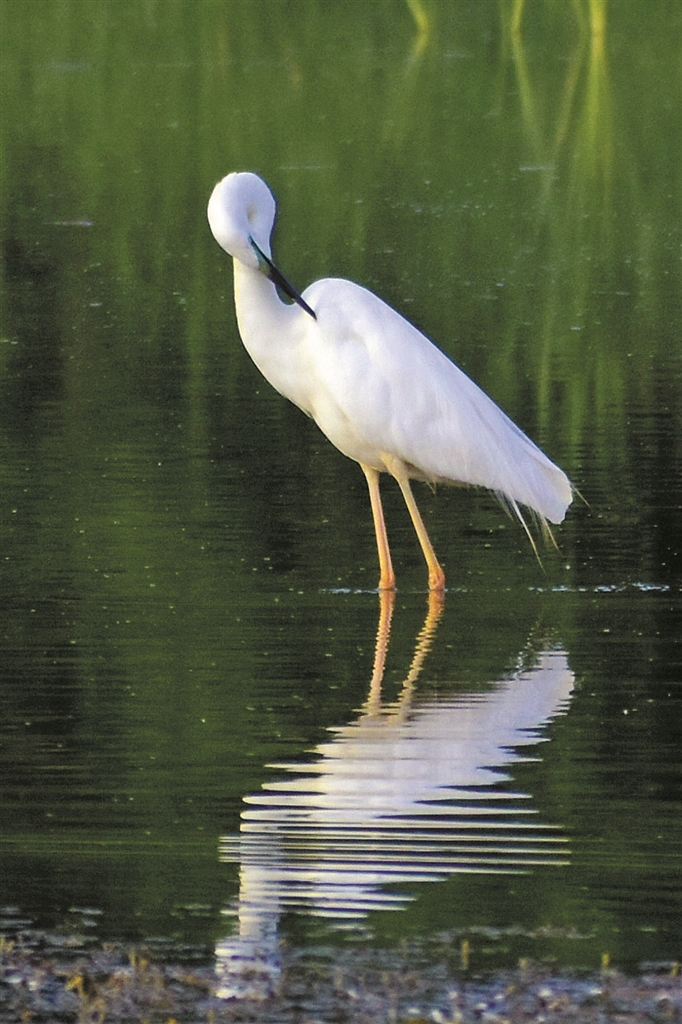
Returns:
(276, 276)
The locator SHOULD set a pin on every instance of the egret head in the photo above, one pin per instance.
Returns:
(241, 211)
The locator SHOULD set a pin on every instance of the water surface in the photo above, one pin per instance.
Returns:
(188, 572)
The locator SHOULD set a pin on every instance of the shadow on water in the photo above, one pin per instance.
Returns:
(407, 792)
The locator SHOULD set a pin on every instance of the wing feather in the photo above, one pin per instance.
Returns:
(383, 386)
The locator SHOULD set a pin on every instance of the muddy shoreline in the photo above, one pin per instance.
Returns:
(60, 979)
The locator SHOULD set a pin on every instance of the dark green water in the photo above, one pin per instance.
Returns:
(187, 568)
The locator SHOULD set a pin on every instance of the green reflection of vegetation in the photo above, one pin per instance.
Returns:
(505, 173)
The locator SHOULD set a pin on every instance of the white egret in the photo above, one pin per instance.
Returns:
(382, 393)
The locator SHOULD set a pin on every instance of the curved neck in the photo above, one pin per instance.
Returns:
(260, 310)
(270, 330)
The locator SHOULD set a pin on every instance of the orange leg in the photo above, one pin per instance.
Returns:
(387, 576)
(397, 469)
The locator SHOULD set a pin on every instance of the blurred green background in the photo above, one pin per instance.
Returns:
(187, 567)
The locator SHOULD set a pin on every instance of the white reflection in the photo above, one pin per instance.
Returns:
(408, 792)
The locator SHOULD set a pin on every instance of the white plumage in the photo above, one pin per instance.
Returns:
(382, 393)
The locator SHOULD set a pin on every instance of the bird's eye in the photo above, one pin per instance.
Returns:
(251, 213)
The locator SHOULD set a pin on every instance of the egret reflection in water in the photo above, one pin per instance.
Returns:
(407, 792)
